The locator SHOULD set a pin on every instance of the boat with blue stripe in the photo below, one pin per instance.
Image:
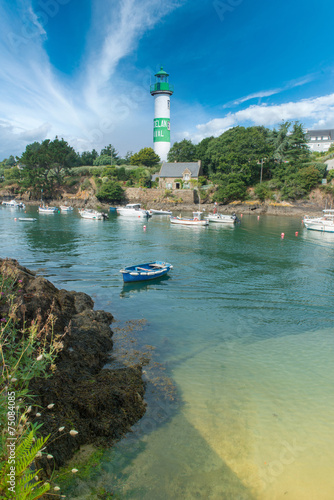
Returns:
(144, 272)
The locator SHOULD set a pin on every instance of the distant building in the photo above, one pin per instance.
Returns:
(320, 140)
(179, 175)
(330, 164)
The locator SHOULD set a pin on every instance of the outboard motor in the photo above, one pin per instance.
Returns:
(235, 218)
(105, 216)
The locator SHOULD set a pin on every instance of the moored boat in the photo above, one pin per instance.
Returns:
(88, 213)
(145, 272)
(133, 210)
(65, 208)
(222, 218)
(325, 223)
(27, 219)
(160, 212)
(197, 220)
(13, 204)
(45, 209)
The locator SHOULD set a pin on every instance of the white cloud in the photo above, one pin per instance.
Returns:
(88, 111)
(318, 111)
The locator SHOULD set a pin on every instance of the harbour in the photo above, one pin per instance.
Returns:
(242, 326)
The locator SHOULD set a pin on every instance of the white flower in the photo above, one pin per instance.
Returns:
(49, 456)
(50, 406)
(39, 357)
(73, 432)
(56, 488)
(38, 454)
(38, 414)
(36, 478)
(29, 409)
(74, 471)
(14, 379)
(61, 429)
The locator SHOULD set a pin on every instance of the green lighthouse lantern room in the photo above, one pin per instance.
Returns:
(161, 83)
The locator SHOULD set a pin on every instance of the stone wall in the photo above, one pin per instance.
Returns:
(144, 196)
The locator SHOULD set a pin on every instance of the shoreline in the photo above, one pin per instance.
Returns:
(246, 208)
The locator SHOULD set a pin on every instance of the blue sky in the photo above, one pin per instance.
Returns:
(81, 69)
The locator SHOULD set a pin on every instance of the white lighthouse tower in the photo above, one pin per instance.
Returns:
(161, 90)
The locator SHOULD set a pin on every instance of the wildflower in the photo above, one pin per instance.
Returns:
(49, 456)
(56, 488)
(38, 414)
(74, 471)
(20, 281)
(36, 478)
(73, 432)
(50, 406)
(3, 320)
(14, 379)
(61, 429)
(29, 409)
(39, 357)
(38, 454)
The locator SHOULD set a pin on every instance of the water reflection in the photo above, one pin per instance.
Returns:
(144, 286)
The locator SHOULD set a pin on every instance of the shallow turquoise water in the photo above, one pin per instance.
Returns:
(243, 326)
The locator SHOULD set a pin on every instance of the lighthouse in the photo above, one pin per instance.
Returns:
(161, 90)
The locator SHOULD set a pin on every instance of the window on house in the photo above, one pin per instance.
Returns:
(186, 177)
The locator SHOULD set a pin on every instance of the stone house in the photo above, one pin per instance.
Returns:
(178, 175)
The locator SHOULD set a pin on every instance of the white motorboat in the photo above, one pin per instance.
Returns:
(45, 209)
(222, 218)
(324, 223)
(65, 208)
(133, 210)
(197, 220)
(160, 212)
(13, 204)
(88, 213)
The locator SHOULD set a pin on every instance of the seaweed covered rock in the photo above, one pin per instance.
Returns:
(101, 404)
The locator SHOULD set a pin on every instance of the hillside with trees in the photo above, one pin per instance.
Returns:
(242, 162)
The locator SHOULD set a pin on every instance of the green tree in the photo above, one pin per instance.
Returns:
(110, 151)
(201, 153)
(183, 151)
(10, 162)
(110, 191)
(47, 163)
(88, 157)
(102, 160)
(232, 188)
(238, 151)
(146, 157)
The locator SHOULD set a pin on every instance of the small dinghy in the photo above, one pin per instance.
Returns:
(144, 272)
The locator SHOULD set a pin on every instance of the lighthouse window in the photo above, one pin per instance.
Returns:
(168, 104)
(168, 125)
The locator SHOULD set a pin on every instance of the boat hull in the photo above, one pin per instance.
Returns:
(188, 222)
(319, 226)
(221, 219)
(145, 272)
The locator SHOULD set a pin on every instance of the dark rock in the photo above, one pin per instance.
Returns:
(101, 404)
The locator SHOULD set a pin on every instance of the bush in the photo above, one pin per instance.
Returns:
(86, 185)
(235, 190)
(102, 160)
(110, 191)
(330, 175)
(262, 191)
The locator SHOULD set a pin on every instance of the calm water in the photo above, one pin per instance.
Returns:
(243, 326)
